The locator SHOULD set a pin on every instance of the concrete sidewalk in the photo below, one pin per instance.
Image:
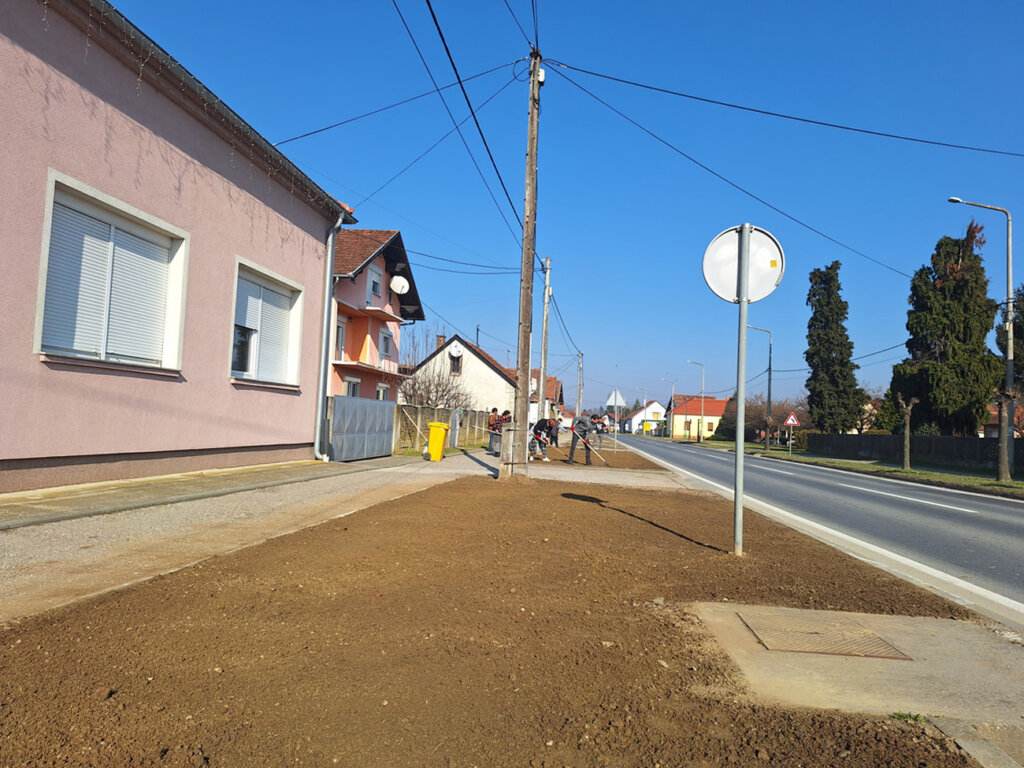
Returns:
(62, 544)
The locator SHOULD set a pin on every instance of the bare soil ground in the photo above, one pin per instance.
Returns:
(478, 623)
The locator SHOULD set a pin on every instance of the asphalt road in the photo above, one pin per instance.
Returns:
(976, 538)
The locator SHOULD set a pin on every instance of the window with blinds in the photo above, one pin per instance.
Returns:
(106, 287)
(263, 320)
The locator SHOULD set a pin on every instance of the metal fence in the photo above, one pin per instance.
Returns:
(961, 452)
(362, 428)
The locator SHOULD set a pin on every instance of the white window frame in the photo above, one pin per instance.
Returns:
(374, 274)
(276, 293)
(339, 338)
(351, 386)
(455, 365)
(383, 391)
(110, 342)
(387, 343)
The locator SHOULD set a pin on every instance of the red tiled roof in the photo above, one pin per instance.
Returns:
(690, 405)
(509, 372)
(354, 247)
(553, 390)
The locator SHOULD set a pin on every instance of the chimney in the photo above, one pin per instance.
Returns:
(440, 341)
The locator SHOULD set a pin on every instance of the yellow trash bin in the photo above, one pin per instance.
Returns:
(435, 440)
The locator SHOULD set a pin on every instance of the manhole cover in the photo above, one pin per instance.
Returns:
(819, 634)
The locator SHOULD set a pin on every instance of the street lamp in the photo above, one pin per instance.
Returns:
(700, 429)
(1006, 416)
(643, 407)
(768, 411)
(671, 407)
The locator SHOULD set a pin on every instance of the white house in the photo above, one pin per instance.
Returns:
(645, 419)
(488, 384)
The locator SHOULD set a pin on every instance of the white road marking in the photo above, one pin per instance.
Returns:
(769, 469)
(911, 498)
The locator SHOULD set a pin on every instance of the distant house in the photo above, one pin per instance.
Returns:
(990, 427)
(645, 419)
(487, 383)
(686, 414)
(553, 393)
(163, 265)
(374, 293)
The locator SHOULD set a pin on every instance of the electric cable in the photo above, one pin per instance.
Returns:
(363, 235)
(472, 112)
(455, 122)
(392, 106)
(809, 121)
(516, 20)
(561, 320)
(433, 146)
(731, 183)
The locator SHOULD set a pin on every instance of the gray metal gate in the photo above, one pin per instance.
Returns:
(362, 428)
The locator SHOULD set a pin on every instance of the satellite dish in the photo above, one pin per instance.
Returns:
(399, 285)
(455, 350)
(764, 268)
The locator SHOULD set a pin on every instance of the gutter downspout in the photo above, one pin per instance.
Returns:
(325, 335)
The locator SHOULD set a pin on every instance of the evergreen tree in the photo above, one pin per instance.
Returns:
(833, 397)
(1018, 337)
(950, 369)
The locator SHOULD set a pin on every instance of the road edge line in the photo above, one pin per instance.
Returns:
(984, 601)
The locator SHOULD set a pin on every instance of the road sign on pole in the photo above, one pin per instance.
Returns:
(741, 265)
(792, 420)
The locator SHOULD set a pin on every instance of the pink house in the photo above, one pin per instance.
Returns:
(374, 293)
(165, 268)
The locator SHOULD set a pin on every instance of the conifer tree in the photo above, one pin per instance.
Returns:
(950, 368)
(833, 397)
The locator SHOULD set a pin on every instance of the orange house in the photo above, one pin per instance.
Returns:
(374, 293)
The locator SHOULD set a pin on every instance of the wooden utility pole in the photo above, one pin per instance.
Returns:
(542, 397)
(579, 384)
(521, 416)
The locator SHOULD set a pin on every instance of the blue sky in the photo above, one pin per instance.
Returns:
(624, 218)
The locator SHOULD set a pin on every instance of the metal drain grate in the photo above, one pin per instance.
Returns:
(819, 634)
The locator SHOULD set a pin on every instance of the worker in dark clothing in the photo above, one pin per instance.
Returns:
(581, 428)
(539, 440)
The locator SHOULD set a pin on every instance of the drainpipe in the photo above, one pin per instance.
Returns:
(325, 335)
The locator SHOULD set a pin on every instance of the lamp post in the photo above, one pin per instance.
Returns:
(1007, 410)
(669, 419)
(700, 429)
(643, 408)
(768, 410)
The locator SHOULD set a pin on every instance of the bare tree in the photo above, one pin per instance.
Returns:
(907, 408)
(435, 385)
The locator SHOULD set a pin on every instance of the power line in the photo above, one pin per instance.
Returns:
(561, 320)
(433, 146)
(472, 112)
(809, 121)
(455, 122)
(516, 20)
(392, 106)
(466, 271)
(536, 25)
(362, 234)
(731, 183)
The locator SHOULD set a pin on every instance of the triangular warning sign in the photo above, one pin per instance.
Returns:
(792, 420)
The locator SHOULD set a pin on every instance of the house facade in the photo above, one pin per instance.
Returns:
(693, 420)
(644, 420)
(486, 383)
(164, 266)
(373, 294)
